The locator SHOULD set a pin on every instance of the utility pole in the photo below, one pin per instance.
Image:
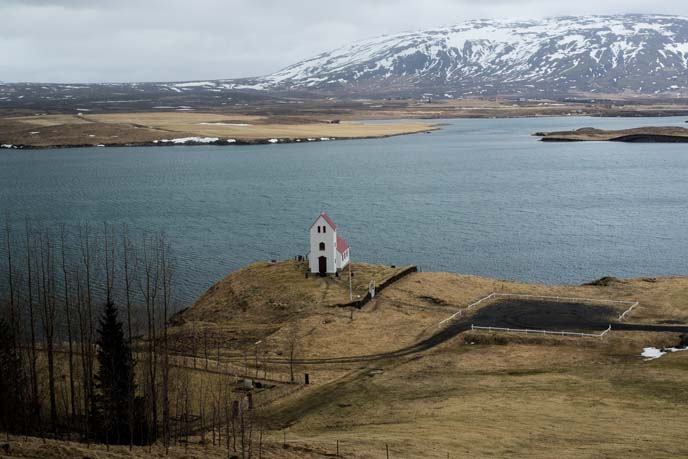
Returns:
(257, 343)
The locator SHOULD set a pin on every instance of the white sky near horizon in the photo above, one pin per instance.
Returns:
(177, 40)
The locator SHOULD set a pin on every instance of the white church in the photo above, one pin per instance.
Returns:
(329, 253)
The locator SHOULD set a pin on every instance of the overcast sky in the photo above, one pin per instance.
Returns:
(176, 40)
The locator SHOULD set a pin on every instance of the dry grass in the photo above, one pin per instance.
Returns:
(71, 130)
(263, 300)
(260, 301)
(122, 128)
(511, 401)
(257, 127)
(21, 447)
(475, 395)
(172, 119)
(502, 396)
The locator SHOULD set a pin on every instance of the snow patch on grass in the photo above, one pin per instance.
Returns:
(192, 140)
(652, 353)
(225, 124)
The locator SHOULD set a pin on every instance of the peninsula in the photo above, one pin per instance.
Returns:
(668, 134)
(186, 128)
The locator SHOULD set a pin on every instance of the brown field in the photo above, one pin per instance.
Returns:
(35, 448)
(504, 395)
(295, 119)
(476, 107)
(476, 394)
(468, 394)
(145, 128)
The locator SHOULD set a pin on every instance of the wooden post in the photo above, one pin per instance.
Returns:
(351, 293)
(387, 447)
(337, 448)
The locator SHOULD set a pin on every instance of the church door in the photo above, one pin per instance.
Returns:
(322, 261)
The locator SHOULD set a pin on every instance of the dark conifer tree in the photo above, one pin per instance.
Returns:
(115, 378)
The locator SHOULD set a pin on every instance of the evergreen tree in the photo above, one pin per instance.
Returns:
(114, 381)
(12, 382)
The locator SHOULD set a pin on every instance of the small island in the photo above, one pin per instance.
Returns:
(666, 134)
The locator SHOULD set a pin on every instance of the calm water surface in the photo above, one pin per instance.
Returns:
(480, 197)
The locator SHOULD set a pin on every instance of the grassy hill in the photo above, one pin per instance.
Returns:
(390, 375)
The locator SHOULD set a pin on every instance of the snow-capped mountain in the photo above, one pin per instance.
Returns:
(554, 57)
(643, 53)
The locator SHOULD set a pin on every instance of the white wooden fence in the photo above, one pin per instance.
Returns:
(542, 332)
(459, 313)
(627, 311)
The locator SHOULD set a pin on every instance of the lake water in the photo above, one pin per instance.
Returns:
(478, 197)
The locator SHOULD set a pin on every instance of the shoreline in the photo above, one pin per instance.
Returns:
(219, 142)
(188, 129)
(401, 125)
(648, 134)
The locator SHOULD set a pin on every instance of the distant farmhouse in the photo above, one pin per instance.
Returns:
(329, 253)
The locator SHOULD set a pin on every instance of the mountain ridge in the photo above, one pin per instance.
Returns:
(613, 53)
(580, 56)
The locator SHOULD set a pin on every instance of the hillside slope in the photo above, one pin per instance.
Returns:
(469, 394)
(642, 53)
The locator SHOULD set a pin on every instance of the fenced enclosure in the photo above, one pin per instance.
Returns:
(542, 332)
(631, 304)
(552, 298)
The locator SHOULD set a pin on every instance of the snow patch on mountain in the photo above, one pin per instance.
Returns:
(591, 53)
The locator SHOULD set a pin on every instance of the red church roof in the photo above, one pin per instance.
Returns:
(328, 220)
(341, 245)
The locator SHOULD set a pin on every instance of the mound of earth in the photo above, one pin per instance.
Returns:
(256, 301)
(605, 281)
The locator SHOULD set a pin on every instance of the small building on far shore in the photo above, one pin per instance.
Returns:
(329, 253)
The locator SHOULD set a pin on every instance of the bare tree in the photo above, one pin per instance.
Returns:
(36, 410)
(129, 269)
(85, 283)
(88, 320)
(292, 345)
(46, 287)
(149, 286)
(12, 404)
(68, 318)
(51, 299)
(109, 252)
(14, 316)
(166, 271)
